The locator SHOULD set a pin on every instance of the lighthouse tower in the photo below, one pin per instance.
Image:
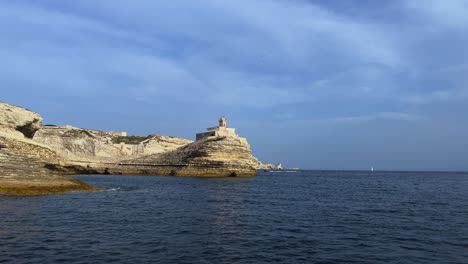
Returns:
(218, 131)
(222, 122)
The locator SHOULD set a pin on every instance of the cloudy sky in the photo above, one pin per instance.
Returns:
(317, 84)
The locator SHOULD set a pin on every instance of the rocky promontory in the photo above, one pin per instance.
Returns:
(23, 162)
(34, 158)
(223, 156)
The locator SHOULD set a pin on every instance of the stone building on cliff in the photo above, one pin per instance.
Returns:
(118, 133)
(218, 131)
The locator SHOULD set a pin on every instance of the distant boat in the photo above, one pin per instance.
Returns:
(371, 169)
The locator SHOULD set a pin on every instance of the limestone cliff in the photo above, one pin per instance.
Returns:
(268, 166)
(160, 144)
(18, 122)
(32, 156)
(214, 156)
(86, 145)
(76, 144)
(104, 152)
(23, 162)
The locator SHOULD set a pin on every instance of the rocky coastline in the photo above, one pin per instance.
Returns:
(23, 161)
(34, 158)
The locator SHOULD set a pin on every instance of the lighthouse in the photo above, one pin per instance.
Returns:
(222, 122)
(218, 131)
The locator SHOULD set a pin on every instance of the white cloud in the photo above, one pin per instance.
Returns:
(452, 13)
(437, 97)
(371, 117)
(243, 53)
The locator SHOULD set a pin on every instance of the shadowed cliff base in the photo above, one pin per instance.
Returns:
(153, 170)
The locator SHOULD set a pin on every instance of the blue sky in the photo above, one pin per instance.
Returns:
(315, 84)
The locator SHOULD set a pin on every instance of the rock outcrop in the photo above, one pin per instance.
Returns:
(26, 175)
(86, 145)
(33, 158)
(211, 157)
(18, 122)
(268, 166)
(77, 144)
(156, 144)
(84, 150)
(23, 162)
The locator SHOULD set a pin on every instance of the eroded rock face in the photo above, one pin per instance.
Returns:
(269, 166)
(214, 156)
(23, 170)
(35, 166)
(14, 118)
(22, 161)
(86, 145)
(76, 144)
(160, 144)
(3, 144)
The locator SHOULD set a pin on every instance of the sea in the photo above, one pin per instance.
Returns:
(276, 217)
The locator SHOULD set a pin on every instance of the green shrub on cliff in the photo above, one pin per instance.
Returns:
(85, 132)
(129, 139)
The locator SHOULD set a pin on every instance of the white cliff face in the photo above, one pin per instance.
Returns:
(213, 156)
(23, 162)
(33, 157)
(160, 144)
(85, 145)
(18, 122)
(73, 143)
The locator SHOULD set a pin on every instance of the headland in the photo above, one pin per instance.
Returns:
(34, 158)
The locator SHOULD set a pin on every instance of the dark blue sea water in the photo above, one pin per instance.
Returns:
(302, 217)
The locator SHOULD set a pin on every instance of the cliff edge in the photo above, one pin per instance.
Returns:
(33, 157)
(80, 145)
(218, 156)
(23, 162)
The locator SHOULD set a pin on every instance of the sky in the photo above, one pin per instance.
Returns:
(323, 84)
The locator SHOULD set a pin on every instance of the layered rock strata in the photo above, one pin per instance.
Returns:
(90, 146)
(23, 162)
(91, 151)
(18, 122)
(22, 175)
(33, 158)
(211, 157)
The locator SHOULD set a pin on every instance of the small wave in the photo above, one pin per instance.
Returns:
(122, 189)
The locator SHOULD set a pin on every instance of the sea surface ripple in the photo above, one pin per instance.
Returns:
(301, 217)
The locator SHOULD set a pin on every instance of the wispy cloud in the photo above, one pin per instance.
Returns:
(440, 13)
(375, 116)
(236, 51)
(317, 65)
